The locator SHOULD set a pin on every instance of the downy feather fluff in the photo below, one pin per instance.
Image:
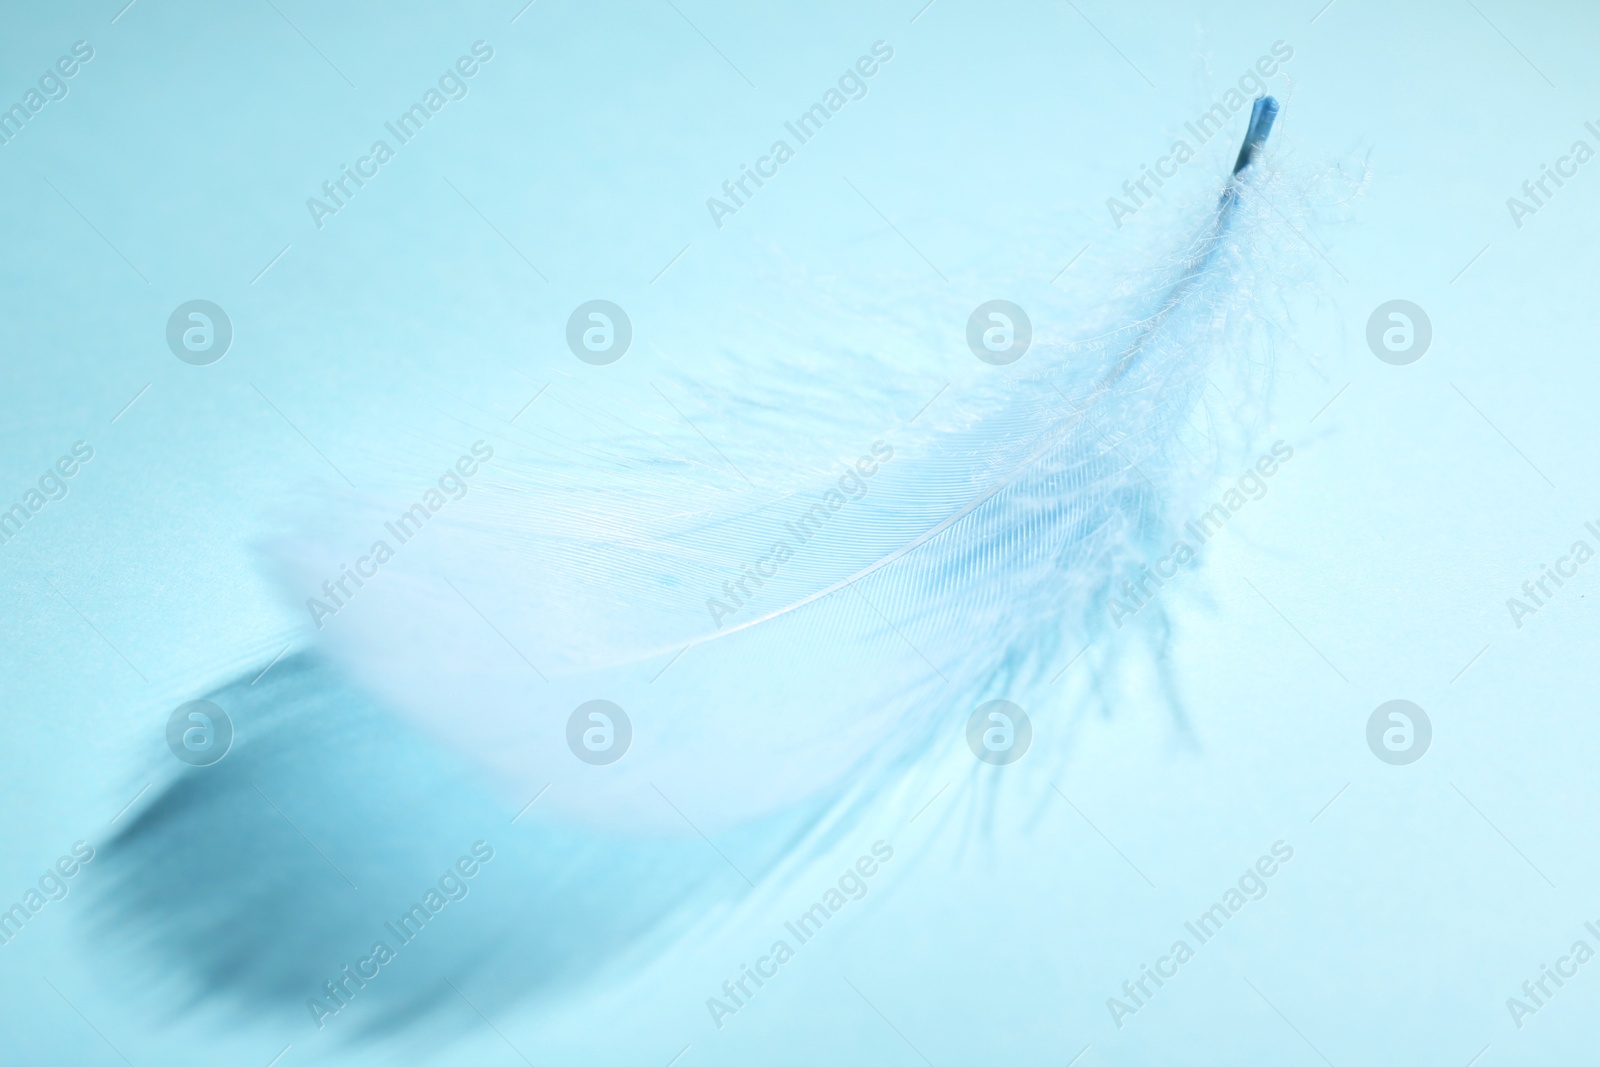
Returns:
(946, 539)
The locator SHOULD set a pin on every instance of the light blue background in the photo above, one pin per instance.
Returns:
(591, 140)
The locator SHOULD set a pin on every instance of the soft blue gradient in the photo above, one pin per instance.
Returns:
(1377, 566)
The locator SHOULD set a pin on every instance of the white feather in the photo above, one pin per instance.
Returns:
(589, 559)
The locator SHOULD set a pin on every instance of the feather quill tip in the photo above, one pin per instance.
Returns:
(1261, 119)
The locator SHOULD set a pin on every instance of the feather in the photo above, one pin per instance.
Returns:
(793, 594)
(772, 638)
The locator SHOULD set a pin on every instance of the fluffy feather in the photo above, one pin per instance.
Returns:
(776, 634)
(597, 556)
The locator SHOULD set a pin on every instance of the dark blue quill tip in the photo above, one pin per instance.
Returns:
(1261, 118)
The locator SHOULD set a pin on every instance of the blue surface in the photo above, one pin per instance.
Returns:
(577, 165)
